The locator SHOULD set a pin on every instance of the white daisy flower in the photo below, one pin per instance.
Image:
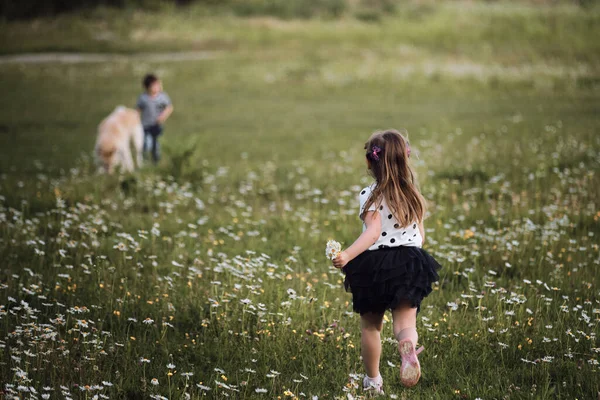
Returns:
(333, 249)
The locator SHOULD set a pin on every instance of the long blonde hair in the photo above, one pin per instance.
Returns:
(388, 152)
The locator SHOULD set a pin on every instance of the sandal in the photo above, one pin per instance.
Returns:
(372, 387)
(410, 371)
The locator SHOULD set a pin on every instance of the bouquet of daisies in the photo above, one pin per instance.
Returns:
(333, 249)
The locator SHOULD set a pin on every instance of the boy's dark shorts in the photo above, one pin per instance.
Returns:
(153, 130)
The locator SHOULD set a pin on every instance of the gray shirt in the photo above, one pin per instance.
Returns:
(152, 107)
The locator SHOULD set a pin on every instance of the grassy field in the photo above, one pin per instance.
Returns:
(206, 275)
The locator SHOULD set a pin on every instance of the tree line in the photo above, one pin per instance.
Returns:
(25, 9)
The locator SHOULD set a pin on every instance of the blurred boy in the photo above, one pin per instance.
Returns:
(155, 107)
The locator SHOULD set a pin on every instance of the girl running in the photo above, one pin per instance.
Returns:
(386, 268)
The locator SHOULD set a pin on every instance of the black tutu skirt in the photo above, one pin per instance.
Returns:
(382, 279)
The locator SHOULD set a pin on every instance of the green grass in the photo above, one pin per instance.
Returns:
(262, 164)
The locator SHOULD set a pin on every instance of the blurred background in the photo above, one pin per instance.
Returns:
(367, 9)
(327, 70)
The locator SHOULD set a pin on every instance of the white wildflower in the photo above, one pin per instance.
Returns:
(333, 249)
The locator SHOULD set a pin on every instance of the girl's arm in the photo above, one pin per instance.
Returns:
(364, 241)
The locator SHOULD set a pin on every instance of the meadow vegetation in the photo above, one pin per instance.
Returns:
(206, 275)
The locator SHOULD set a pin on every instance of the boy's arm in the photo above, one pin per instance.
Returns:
(165, 114)
(364, 241)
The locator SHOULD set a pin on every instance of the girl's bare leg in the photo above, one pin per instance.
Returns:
(405, 323)
(370, 340)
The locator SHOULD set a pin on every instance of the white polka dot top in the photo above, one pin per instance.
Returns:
(392, 234)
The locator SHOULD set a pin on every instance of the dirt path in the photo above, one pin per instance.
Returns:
(453, 68)
(78, 58)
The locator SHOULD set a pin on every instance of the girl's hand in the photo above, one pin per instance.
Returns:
(365, 240)
(341, 260)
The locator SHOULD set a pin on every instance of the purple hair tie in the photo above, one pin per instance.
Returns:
(376, 150)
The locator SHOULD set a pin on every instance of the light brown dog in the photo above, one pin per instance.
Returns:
(115, 134)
